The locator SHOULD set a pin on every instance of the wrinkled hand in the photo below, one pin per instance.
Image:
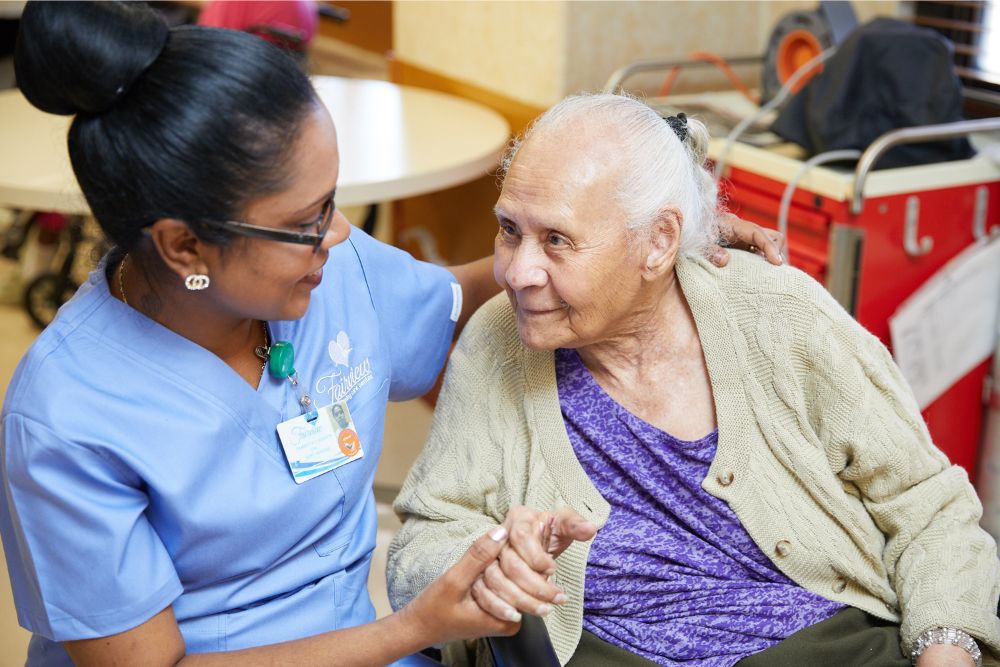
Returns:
(519, 580)
(945, 655)
(745, 235)
(446, 611)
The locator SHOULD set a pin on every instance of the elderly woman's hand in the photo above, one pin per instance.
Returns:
(447, 611)
(519, 579)
(745, 235)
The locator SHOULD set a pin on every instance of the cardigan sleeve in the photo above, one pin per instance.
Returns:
(454, 491)
(942, 565)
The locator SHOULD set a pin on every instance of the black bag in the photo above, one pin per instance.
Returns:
(887, 75)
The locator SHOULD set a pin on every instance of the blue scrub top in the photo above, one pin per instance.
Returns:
(141, 471)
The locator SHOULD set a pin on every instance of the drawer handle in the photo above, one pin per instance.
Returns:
(979, 230)
(914, 246)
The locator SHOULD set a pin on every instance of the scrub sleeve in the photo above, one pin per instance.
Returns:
(413, 303)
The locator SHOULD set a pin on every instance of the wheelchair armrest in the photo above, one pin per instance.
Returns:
(530, 647)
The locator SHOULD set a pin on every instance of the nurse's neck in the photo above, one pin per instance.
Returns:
(197, 317)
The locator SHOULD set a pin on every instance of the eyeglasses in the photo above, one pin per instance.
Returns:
(271, 234)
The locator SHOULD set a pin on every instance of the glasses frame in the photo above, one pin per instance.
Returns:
(285, 236)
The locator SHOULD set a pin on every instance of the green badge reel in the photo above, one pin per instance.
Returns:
(281, 365)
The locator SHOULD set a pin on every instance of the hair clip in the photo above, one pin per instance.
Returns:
(679, 124)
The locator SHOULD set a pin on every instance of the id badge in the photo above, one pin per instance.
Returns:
(320, 441)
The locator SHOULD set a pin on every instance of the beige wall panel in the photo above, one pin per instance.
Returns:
(517, 48)
(606, 35)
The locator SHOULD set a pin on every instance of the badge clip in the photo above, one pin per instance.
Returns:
(281, 364)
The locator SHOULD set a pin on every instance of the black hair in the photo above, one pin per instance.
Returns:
(189, 123)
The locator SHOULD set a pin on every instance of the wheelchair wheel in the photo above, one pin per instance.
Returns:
(45, 294)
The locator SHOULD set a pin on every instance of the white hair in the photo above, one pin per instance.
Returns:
(660, 170)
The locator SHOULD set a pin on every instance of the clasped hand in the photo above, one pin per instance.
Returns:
(518, 581)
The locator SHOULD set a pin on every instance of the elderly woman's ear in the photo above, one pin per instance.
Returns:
(661, 248)
(745, 235)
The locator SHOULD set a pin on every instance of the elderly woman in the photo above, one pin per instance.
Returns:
(761, 485)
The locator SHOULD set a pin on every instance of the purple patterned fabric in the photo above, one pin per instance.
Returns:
(673, 576)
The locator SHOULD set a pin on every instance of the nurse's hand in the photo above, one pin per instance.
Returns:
(519, 580)
(745, 235)
(446, 611)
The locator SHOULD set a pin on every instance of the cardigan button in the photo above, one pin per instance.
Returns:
(783, 548)
(839, 585)
(725, 478)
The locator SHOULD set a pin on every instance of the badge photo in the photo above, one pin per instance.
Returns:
(320, 441)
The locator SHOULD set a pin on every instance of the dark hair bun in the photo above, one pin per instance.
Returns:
(81, 57)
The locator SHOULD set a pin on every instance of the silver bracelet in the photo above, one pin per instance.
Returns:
(946, 636)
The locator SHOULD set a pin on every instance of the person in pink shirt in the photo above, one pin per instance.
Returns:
(291, 24)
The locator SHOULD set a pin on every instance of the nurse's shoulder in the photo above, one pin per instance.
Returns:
(69, 371)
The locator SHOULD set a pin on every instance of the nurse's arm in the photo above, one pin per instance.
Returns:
(445, 611)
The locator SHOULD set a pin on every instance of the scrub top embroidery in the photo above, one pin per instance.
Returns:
(140, 471)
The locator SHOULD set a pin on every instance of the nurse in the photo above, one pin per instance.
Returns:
(188, 450)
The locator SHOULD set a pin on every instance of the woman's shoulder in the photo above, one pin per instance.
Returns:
(377, 260)
(50, 409)
(777, 306)
(45, 368)
(54, 371)
(492, 327)
(489, 341)
(79, 365)
(749, 281)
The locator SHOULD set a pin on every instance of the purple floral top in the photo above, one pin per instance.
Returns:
(673, 576)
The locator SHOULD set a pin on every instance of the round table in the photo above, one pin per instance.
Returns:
(398, 141)
(395, 142)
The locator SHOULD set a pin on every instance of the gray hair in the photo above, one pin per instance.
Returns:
(660, 170)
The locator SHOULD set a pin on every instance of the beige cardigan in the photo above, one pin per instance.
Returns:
(822, 455)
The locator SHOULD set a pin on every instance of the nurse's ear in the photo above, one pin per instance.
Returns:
(178, 247)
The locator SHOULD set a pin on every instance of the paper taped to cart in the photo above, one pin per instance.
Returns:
(948, 326)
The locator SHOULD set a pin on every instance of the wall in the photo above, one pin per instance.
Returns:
(608, 35)
(537, 52)
(369, 26)
(516, 48)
